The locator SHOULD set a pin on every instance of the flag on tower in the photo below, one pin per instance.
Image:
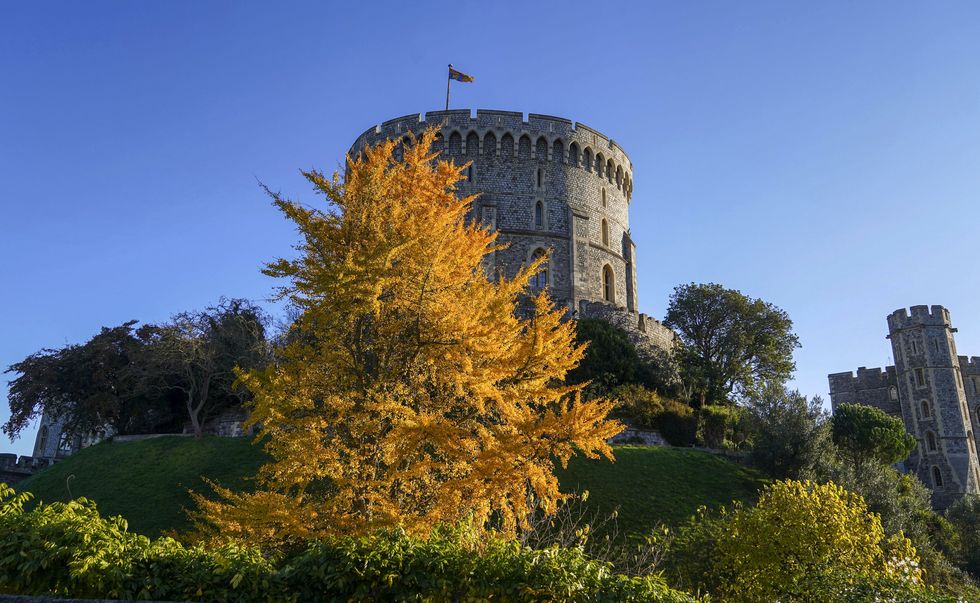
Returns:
(459, 76)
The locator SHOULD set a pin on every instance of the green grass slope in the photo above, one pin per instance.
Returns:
(647, 485)
(147, 482)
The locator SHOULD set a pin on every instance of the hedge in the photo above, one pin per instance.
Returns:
(68, 549)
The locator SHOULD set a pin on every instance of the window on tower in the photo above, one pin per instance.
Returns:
(937, 477)
(920, 377)
(931, 445)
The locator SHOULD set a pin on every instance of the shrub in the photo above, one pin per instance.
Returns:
(677, 423)
(801, 542)
(716, 424)
(67, 549)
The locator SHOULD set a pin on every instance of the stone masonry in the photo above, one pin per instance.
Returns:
(547, 184)
(934, 391)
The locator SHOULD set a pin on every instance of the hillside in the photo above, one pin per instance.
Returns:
(147, 482)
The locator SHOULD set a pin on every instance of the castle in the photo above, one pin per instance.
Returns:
(934, 391)
(547, 186)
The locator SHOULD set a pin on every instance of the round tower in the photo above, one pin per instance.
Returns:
(546, 185)
(933, 401)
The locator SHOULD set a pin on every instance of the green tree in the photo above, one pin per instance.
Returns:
(964, 515)
(89, 386)
(865, 434)
(732, 344)
(195, 356)
(790, 434)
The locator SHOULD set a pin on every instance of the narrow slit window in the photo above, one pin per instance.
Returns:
(915, 347)
(539, 215)
(937, 477)
(920, 377)
(931, 442)
(539, 177)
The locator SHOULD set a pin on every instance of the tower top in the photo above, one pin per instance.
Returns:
(918, 316)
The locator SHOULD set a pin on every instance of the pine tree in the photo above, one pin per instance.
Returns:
(411, 391)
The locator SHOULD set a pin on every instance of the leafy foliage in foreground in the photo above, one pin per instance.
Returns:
(67, 549)
(801, 542)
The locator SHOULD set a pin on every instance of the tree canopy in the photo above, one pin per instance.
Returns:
(141, 380)
(417, 393)
(864, 434)
(732, 344)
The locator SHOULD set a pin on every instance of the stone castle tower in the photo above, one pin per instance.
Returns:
(933, 390)
(547, 184)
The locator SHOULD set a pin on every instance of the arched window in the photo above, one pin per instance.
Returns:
(605, 232)
(490, 144)
(937, 477)
(600, 164)
(619, 177)
(540, 280)
(541, 149)
(455, 144)
(924, 406)
(539, 179)
(507, 145)
(931, 442)
(893, 393)
(539, 215)
(437, 144)
(610, 170)
(469, 173)
(587, 159)
(608, 284)
(42, 440)
(472, 144)
(524, 147)
(573, 154)
(558, 151)
(603, 197)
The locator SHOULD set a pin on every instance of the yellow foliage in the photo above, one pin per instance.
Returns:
(410, 391)
(802, 532)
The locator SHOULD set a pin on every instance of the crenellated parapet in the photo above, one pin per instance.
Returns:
(873, 387)
(544, 137)
(918, 316)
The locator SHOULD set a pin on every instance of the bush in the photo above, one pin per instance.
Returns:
(718, 426)
(677, 423)
(801, 542)
(67, 549)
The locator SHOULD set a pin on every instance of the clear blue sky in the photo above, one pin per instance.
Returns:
(824, 156)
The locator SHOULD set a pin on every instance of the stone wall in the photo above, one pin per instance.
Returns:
(582, 179)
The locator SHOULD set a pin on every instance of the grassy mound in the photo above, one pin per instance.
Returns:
(147, 482)
(648, 485)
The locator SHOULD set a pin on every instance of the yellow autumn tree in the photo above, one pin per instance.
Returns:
(411, 391)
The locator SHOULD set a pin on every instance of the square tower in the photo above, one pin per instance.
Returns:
(934, 403)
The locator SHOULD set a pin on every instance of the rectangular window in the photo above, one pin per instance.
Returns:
(920, 377)
(973, 382)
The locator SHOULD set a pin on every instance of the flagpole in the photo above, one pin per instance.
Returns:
(449, 78)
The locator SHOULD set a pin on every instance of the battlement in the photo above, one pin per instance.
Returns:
(970, 364)
(501, 123)
(918, 316)
(646, 333)
(866, 378)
